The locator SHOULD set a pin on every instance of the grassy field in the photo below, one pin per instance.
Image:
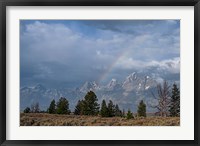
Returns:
(43, 119)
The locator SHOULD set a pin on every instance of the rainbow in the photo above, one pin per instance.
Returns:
(110, 68)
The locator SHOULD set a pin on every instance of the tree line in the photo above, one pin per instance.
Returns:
(168, 104)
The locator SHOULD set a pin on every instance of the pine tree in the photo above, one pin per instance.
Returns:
(104, 109)
(90, 105)
(79, 108)
(63, 106)
(27, 110)
(111, 109)
(129, 114)
(141, 109)
(174, 108)
(118, 112)
(52, 107)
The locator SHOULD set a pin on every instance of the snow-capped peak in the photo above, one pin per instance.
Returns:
(130, 78)
(114, 80)
(39, 87)
(128, 84)
(95, 85)
(89, 86)
(112, 83)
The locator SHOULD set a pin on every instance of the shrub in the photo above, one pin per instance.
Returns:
(129, 115)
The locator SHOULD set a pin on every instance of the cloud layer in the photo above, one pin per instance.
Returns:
(68, 53)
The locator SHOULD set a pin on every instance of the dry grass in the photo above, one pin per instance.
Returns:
(43, 119)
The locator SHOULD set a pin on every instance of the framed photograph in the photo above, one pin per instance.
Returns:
(99, 72)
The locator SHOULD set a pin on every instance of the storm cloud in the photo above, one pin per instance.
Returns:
(68, 53)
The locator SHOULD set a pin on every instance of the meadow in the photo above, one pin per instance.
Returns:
(44, 119)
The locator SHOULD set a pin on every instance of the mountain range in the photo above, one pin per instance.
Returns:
(127, 93)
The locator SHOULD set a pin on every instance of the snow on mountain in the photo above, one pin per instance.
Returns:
(138, 82)
(113, 85)
(137, 85)
(93, 86)
(39, 88)
(130, 78)
(24, 89)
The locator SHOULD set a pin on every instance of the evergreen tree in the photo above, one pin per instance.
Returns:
(79, 108)
(111, 109)
(118, 112)
(52, 107)
(104, 109)
(174, 108)
(63, 106)
(90, 105)
(129, 115)
(27, 110)
(141, 109)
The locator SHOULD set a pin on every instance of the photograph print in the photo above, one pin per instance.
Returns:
(100, 73)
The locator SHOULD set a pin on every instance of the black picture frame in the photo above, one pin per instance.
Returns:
(5, 3)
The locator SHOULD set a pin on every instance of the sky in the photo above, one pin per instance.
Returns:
(67, 53)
